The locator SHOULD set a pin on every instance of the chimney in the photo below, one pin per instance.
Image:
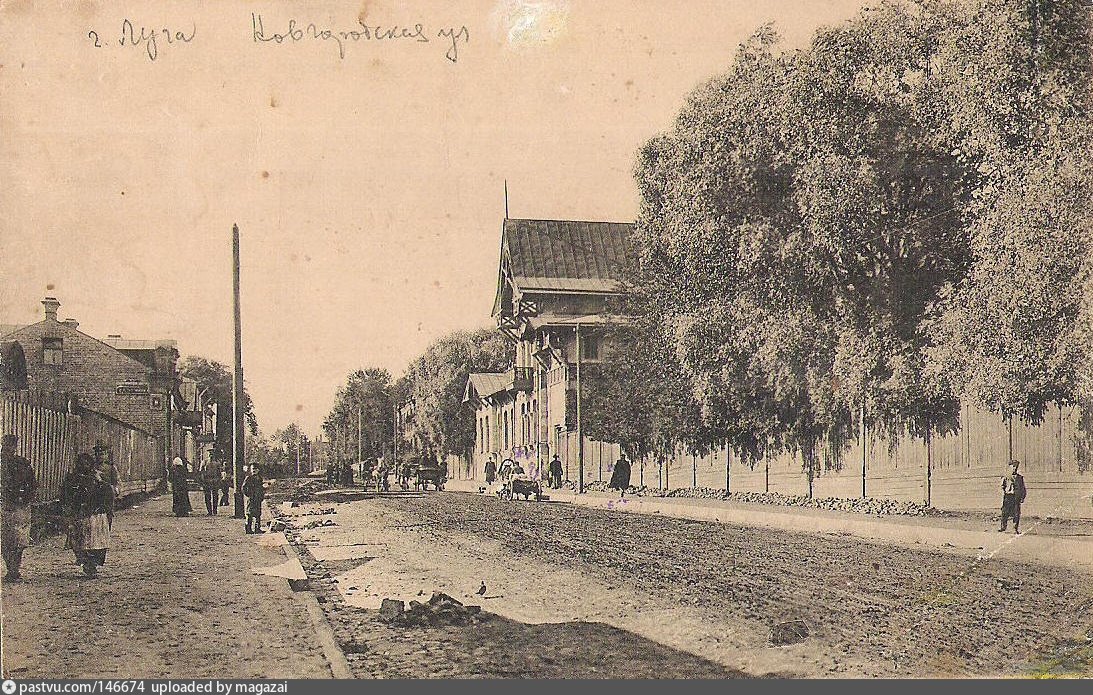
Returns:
(51, 305)
(72, 323)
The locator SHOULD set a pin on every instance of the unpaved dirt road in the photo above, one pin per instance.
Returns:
(577, 588)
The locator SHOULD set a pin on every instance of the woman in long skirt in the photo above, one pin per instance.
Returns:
(87, 498)
(180, 489)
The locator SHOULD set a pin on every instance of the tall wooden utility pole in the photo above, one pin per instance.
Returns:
(238, 436)
(360, 453)
(580, 432)
(864, 449)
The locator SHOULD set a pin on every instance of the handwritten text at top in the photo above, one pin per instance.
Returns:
(147, 38)
(418, 33)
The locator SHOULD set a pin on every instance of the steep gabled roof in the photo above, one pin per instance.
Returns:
(485, 384)
(566, 255)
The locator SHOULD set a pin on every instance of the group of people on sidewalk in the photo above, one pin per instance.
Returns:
(88, 495)
(620, 475)
(215, 483)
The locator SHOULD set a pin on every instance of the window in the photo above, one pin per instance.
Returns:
(51, 351)
(590, 348)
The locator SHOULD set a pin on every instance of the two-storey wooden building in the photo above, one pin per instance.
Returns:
(554, 287)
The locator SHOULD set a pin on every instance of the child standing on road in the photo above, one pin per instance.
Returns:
(1013, 494)
(254, 489)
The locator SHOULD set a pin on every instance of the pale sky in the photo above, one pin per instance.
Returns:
(368, 188)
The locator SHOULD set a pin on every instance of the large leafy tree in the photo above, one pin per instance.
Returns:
(639, 396)
(807, 222)
(216, 380)
(1016, 334)
(437, 379)
(362, 409)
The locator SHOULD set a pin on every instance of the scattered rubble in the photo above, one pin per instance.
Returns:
(858, 505)
(306, 492)
(315, 512)
(319, 523)
(440, 610)
(790, 632)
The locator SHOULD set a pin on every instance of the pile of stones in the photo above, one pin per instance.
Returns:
(319, 512)
(843, 504)
(440, 610)
(868, 505)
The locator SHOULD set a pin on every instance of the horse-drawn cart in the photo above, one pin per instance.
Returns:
(430, 475)
(523, 486)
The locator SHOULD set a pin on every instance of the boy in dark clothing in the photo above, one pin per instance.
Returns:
(255, 491)
(1013, 494)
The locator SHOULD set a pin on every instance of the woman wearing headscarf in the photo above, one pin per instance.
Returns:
(180, 488)
(87, 499)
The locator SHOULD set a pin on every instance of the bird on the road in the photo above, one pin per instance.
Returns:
(482, 589)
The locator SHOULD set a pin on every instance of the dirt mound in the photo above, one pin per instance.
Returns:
(305, 492)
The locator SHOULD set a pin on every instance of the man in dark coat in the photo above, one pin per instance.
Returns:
(620, 477)
(19, 485)
(255, 490)
(555, 472)
(211, 477)
(1013, 494)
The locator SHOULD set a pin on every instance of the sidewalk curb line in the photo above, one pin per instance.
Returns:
(335, 657)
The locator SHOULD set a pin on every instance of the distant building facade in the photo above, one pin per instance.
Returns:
(556, 280)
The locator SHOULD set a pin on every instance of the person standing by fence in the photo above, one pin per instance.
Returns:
(19, 485)
(1013, 494)
(86, 498)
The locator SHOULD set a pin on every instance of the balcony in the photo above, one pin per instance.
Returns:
(523, 378)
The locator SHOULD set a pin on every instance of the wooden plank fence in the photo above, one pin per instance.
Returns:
(959, 471)
(51, 438)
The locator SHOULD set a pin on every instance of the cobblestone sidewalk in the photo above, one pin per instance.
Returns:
(176, 599)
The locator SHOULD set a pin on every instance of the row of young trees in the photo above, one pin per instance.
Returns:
(892, 221)
(433, 383)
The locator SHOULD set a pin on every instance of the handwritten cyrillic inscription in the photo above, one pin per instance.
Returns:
(150, 39)
(293, 31)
